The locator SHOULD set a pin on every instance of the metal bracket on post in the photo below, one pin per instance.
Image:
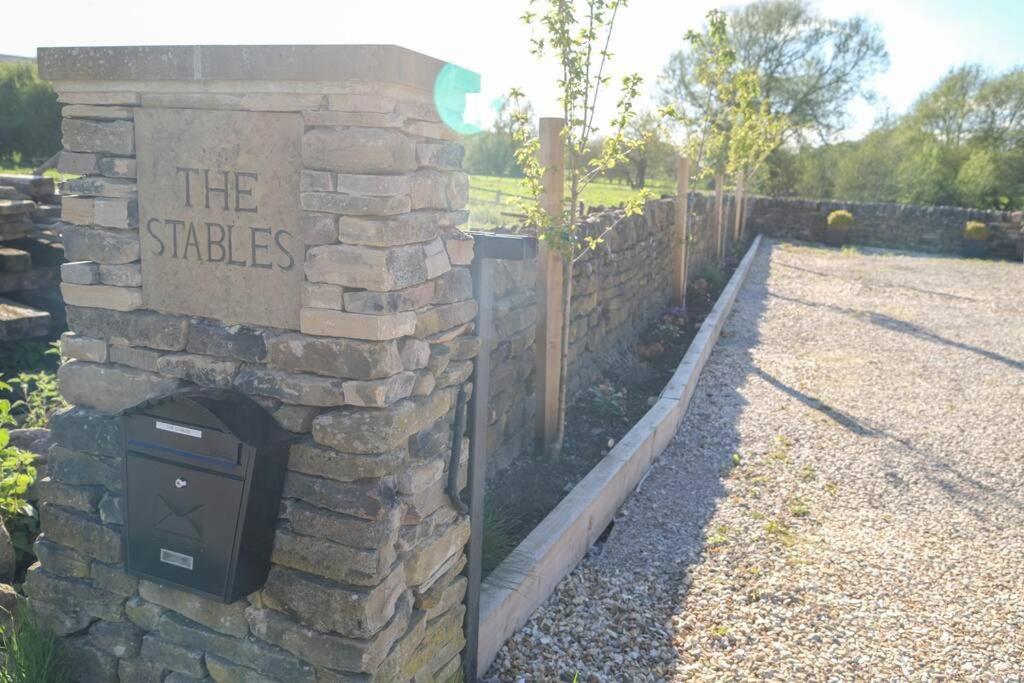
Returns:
(486, 248)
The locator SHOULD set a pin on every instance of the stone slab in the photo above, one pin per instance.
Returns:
(219, 214)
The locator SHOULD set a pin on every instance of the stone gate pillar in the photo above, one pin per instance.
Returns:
(282, 221)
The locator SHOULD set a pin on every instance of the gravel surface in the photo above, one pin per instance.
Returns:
(844, 500)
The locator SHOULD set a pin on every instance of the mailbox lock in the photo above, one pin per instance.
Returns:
(180, 483)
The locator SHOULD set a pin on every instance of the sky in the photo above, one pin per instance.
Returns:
(924, 37)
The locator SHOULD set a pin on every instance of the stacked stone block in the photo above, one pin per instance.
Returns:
(366, 579)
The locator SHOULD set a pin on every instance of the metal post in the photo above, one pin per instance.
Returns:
(483, 285)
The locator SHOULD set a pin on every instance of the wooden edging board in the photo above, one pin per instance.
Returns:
(532, 571)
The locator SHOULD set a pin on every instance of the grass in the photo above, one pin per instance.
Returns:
(15, 167)
(490, 197)
(32, 654)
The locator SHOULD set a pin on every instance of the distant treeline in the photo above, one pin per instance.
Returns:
(29, 114)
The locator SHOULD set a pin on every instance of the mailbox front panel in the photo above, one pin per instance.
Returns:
(181, 523)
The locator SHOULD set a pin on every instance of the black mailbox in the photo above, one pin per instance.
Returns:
(203, 475)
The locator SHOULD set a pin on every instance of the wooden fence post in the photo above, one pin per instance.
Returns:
(737, 232)
(719, 217)
(682, 231)
(549, 287)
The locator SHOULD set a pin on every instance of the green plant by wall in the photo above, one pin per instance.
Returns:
(976, 231)
(840, 219)
(17, 474)
(40, 398)
(32, 653)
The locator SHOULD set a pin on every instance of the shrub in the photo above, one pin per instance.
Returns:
(29, 114)
(976, 231)
(840, 219)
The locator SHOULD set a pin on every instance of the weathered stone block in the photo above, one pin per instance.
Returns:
(323, 322)
(81, 429)
(366, 499)
(223, 671)
(85, 534)
(460, 251)
(229, 619)
(353, 205)
(327, 606)
(424, 560)
(75, 594)
(355, 566)
(61, 622)
(432, 189)
(111, 577)
(318, 228)
(102, 246)
(267, 659)
(199, 369)
(322, 296)
(82, 498)
(98, 186)
(354, 119)
(77, 210)
(60, 560)
(307, 390)
(102, 296)
(346, 654)
(373, 431)
(441, 155)
(80, 272)
(121, 275)
(117, 167)
(143, 614)
(367, 268)
(117, 638)
(173, 656)
(316, 181)
(454, 286)
(83, 348)
(113, 137)
(112, 509)
(88, 662)
(440, 318)
(309, 458)
(134, 357)
(407, 299)
(214, 338)
(116, 213)
(79, 469)
(357, 150)
(89, 111)
(78, 163)
(409, 228)
(139, 671)
(379, 393)
(436, 259)
(297, 419)
(111, 388)
(334, 357)
(374, 185)
(425, 383)
(456, 373)
(310, 520)
(415, 353)
(372, 103)
(142, 328)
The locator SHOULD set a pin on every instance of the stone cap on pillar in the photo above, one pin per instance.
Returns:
(336, 63)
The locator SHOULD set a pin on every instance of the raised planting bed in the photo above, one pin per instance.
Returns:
(511, 593)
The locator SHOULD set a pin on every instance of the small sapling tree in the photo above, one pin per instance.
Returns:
(577, 33)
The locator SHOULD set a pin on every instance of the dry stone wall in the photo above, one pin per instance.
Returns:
(365, 582)
(895, 226)
(618, 289)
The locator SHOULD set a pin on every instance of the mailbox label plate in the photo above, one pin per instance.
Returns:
(177, 559)
(178, 429)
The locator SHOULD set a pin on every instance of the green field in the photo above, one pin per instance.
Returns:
(490, 197)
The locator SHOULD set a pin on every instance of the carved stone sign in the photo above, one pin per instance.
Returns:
(219, 214)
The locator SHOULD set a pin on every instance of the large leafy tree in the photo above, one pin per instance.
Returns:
(809, 67)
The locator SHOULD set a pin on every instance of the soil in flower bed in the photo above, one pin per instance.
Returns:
(522, 495)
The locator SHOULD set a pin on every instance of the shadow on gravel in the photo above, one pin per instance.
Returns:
(904, 327)
(882, 285)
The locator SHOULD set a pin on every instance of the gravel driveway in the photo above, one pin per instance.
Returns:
(844, 499)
